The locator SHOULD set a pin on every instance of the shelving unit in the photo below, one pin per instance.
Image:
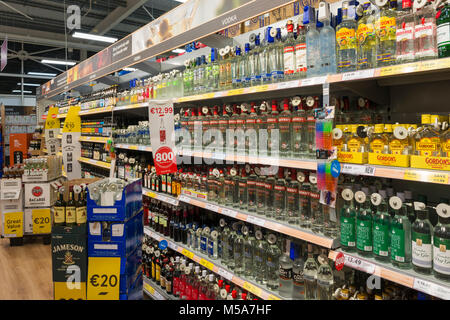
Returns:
(133, 147)
(216, 267)
(95, 163)
(155, 291)
(94, 139)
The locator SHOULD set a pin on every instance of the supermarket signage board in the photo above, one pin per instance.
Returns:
(71, 146)
(188, 22)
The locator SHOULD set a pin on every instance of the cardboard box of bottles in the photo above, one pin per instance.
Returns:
(69, 252)
(119, 240)
(134, 292)
(432, 163)
(395, 160)
(40, 194)
(53, 172)
(37, 220)
(353, 157)
(61, 291)
(11, 197)
(129, 205)
(71, 183)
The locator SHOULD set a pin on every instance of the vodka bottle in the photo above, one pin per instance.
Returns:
(312, 104)
(425, 32)
(325, 279)
(224, 242)
(346, 42)
(316, 206)
(228, 188)
(249, 245)
(280, 196)
(443, 29)
(254, 63)
(298, 287)
(421, 236)
(348, 217)
(235, 184)
(235, 70)
(238, 253)
(327, 41)
(251, 129)
(289, 52)
(285, 127)
(400, 235)
(244, 70)
(405, 33)
(230, 246)
(270, 195)
(187, 76)
(292, 199)
(367, 39)
(310, 275)
(272, 258)
(223, 67)
(261, 194)
(275, 55)
(273, 131)
(215, 71)
(299, 129)
(305, 201)
(364, 237)
(261, 126)
(266, 71)
(220, 188)
(381, 225)
(300, 52)
(259, 257)
(242, 187)
(285, 270)
(312, 43)
(204, 240)
(251, 190)
(385, 27)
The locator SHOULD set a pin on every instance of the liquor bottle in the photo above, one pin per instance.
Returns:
(310, 275)
(285, 127)
(264, 54)
(299, 129)
(235, 70)
(235, 178)
(325, 278)
(272, 131)
(400, 235)
(441, 243)
(225, 68)
(249, 245)
(381, 226)
(427, 139)
(220, 185)
(276, 57)
(367, 39)
(289, 52)
(327, 41)
(316, 208)
(270, 194)
(292, 200)
(348, 217)
(272, 259)
(213, 244)
(364, 237)
(312, 103)
(244, 69)
(223, 242)
(300, 52)
(59, 213)
(425, 32)
(298, 288)
(81, 210)
(254, 62)
(232, 126)
(211, 292)
(71, 212)
(230, 263)
(251, 132)
(280, 196)
(259, 257)
(251, 190)
(285, 270)
(243, 190)
(312, 42)
(421, 236)
(385, 27)
(201, 74)
(261, 193)
(405, 33)
(305, 201)
(238, 253)
(443, 29)
(346, 42)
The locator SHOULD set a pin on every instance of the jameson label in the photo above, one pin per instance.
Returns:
(441, 255)
(158, 273)
(81, 215)
(380, 239)
(285, 274)
(71, 214)
(397, 244)
(348, 236)
(364, 235)
(68, 250)
(59, 214)
(421, 250)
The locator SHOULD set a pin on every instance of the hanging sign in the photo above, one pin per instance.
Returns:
(71, 147)
(162, 135)
(52, 128)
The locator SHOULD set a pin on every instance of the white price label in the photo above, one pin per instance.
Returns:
(320, 80)
(230, 213)
(358, 264)
(358, 170)
(158, 296)
(255, 220)
(431, 288)
(219, 156)
(308, 82)
(187, 153)
(184, 199)
(283, 85)
(224, 273)
(212, 207)
(172, 246)
(358, 74)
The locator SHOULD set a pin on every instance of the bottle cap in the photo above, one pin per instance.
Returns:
(211, 278)
(324, 11)
(244, 296)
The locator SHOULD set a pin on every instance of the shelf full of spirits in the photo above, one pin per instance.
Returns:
(94, 139)
(161, 197)
(133, 147)
(216, 267)
(154, 291)
(95, 163)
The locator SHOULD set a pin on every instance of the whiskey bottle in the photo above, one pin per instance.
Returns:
(59, 211)
(71, 210)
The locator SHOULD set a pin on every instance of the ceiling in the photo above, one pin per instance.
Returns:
(43, 36)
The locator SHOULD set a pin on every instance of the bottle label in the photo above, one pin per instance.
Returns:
(446, 148)
(380, 239)
(441, 255)
(59, 214)
(422, 250)
(348, 236)
(364, 235)
(354, 145)
(386, 28)
(298, 278)
(365, 33)
(345, 38)
(285, 274)
(426, 146)
(81, 215)
(289, 60)
(397, 146)
(377, 145)
(203, 243)
(71, 214)
(300, 57)
(397, 244)
(443, 34)
(405, 34)
(157, 272)
(422, 31)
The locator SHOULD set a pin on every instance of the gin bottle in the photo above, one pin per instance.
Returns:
(346, 42)
(364, 238)
(299, 129)
(325, 279)
(285, 127)
(348, 217)
(300, 52)
(244, 70)
(385, 27)
(292, 200)
(285, 270)
(327, 39)
(289, 52)
(272, 258)
(259, 257)
(312, 42)
(443, 29)
(441, 244)
(405, 33)
(367, 39)
(280, 196)
(215, 71)
(421, 236)
(298, 288)
(310, 275)
(381, 226)
(400, 235)
(239, 253)
(425, 32)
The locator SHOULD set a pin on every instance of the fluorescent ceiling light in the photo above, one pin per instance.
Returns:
(178, 51)
(42, 74)
(88, 36)
(19, 91)
(29, 84)
(65, 63)
(129, 69)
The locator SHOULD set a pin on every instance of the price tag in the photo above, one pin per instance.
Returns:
(173, 246)
(13, 224)
(261, 88)
(358, 74)
(228, 212)
(235, 92)
(412, 175)
(432, 288)
(422, 285)
(283, 85)
(103, 278)
(438, 178)
(255, 220)
(207, 264)
(272, 297)
(167, 109)
(358, 264)
(219, 156)
(320, 80)
(73, 120)
(224, 273)
(187, 253)
(307, 82)
(212, 207)
(358, 170)
(249, 287)
(41, 221)
(149, 289)
(150, 194)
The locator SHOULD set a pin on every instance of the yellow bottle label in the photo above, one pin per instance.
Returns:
(81, 215)
(426, 146)
(397, 146)
(71, 214)
(345, 38)
(338, 144)
(446, 147)
(153, 270)
(158, 272)
(377, 146)
(386, 28)
(365, 32)
(354, 145)
(59, 215)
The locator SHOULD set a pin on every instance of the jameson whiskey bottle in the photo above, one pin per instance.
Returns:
(81, 210)
(70, 211)
(348, 230)
(441, 243)
(59, 217)
(421, 235)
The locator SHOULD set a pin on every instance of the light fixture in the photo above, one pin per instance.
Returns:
(129, 69)
(64, 63)
(88, 36)
(29, 84)
(42, 74)
(182, 1)
(178, 50)
(20, 91)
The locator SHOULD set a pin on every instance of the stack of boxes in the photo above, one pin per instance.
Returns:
(11, 207)
(116, 231)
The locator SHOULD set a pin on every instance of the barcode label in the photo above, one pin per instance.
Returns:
(229, 213)
(255, 220)
(370, 171)
(224, 273)
(358, 170)
(172, 246)
(212, 207)
(358, 74)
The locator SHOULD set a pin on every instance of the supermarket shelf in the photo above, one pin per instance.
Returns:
(216, 267)
(95, 163)
(94, 139)
(411, 174)
(61, 115)
(409, 278)
(96, 111)
(155, 291)
(131, 106)
(255, 219)
(133, 147)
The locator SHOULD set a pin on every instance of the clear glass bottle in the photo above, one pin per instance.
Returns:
(300, 52)
(441, 247)
(325, 278)
(285, 270)
(259, 257)
(386, 29)
(327, 40)
(215, 71)
(254, 63)
(312, 42)
(235, 68)
(367, 39)
(316, 206)
(310, 275)
(239, 253)
(285, 127)
(244, 70)
(425, 32)
(272, 258)
(270, 195)
(346, 42)
(443, 29)
(230, 246)
(305, 201)
(280, 196)
(261, 194)
(289, 52)
(292, 199)
(249, 247)
(405, 33)
(422, 247)
(251, 191)
(298, 290)
(299, 130)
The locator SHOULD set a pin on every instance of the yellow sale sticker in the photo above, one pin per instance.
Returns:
(207, 264)
(149, 288)
(249, 287)
(42, 221)
(103, 278)
(13, 224)
(187, 253)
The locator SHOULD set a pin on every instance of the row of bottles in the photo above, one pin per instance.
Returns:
(97, 127)
(72, 212)
(95, 151)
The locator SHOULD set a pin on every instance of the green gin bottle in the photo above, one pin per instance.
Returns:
(364, 239)
(348, 230)
(400, 235)
(441, 243)
(381, 225)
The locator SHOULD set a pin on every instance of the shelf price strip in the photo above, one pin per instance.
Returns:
(431, 288)
(359, 264)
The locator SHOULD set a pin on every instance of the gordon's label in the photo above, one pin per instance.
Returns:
(397, 146)
(426, 146)
(354, 145)
(446, 147)
(386, 28)
(397, 160)
(377, 145)
(435, 163)
(365, 32)
(346, 39)
(353, 157)
(443, 34)
(422, 252)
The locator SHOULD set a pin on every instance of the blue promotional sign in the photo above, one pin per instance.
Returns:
(335, 168)
(163, 244)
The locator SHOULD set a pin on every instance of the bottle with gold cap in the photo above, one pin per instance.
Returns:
(427, 140)
(445, 138)
(398, 142)
(378, 141)
(356, 140)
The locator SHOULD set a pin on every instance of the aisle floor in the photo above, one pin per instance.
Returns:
(25, 271)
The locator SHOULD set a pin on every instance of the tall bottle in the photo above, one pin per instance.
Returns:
(327, 39)
(300, 52)
(310, 275)
(285, 127)
(443, 29)
(254, 63)
(259, 257)
(289, 52)
(249, 244)
(285, 270)
(299, 129)
(275, 55)
(81, 210)
(59, 216)
(425, 32)
(421, 236)
(215, 71)
(298, 289)
(71, 212)
(364, 237)
(235, 70)
(272, 258)
(405, 33)
(346, 42)
(292, 199)
(400, 235)
(348, 221)
(239, 253)
(280, 196)
(386, 29)
(381, 226)
(244, 70)
(441, 244)
(325, 278)
(312, 42)
(367, 39)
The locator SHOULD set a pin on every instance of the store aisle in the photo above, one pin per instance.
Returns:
(25, 271)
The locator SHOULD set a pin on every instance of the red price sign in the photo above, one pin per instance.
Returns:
(339, 261)
(165, 160)
(161, 110)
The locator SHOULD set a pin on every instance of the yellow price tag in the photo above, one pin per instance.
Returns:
(412, 175)
(207, 264)
(208, 95)
(151, 194)
(63, 291)
(438, 178)
(13, 224)
(73, 121)
(52, 121)
(272, 297)
(187, 253)
(429, 65)
(103, 278)
(235, 92)
(41, 221)
(249, 287)
(149, 288)
(133, 147)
